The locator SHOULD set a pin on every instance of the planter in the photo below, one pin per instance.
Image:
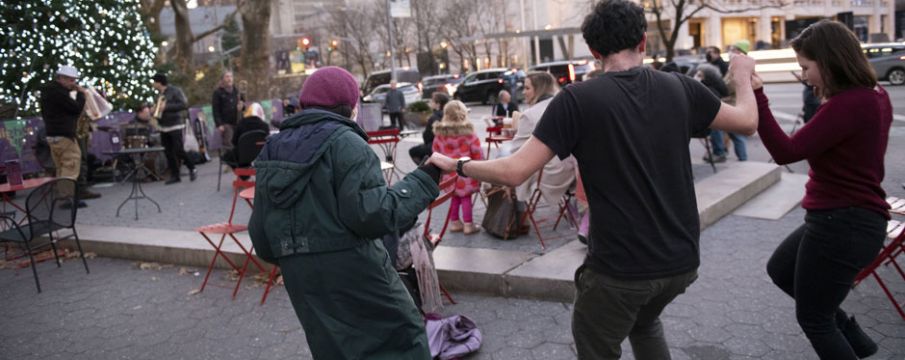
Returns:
(416, 119)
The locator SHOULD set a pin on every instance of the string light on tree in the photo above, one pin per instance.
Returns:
(105, 39)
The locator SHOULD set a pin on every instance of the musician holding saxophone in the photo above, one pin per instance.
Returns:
(61, 111)
(172, 114)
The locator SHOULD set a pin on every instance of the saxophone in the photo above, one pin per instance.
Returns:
(83, 126)
(158, 112)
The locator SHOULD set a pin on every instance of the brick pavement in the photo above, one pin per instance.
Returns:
(122, 312)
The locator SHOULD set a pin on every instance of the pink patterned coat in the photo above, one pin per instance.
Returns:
(457, 140)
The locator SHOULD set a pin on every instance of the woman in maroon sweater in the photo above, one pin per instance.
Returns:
(844, 144)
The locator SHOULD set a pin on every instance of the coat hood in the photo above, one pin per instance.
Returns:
(291, 155)
(448, 128)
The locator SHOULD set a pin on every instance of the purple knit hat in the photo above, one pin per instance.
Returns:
(328, 87)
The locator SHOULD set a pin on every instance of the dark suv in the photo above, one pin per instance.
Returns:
(485, 85)
(566, 72)
(442, 83)
(888, 61)
(382, 77)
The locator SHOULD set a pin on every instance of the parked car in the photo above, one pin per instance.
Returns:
(379, 94)
(888, 61)
(447, 83)
(382, 77)
(688, 64)
(567, 71)
(485, 85)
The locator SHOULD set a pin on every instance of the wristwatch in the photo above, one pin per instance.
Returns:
(460, 163)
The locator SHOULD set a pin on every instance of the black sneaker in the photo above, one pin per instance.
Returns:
(716, 159)
(193, 174)
(172, 181)
(88, 195)
(68, 205)
(863, 345)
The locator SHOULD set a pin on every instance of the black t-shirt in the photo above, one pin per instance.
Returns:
(629, 132)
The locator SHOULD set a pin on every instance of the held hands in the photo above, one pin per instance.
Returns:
(741, 66)
(756, 82)
(443, 162)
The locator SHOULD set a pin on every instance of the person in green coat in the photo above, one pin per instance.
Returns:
(321, 206)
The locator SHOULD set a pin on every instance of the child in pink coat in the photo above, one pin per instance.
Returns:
(455, 137)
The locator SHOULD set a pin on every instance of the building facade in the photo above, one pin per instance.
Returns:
(770, 25)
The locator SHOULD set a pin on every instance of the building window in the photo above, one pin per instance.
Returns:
(860, 28)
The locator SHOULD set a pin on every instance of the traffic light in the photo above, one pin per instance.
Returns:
(303, 43)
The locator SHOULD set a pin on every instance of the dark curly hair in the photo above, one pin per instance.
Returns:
(613, 26)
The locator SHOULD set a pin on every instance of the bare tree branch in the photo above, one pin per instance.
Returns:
(685, 10)
(213, 30)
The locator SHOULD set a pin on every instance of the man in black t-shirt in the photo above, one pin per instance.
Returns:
(629, 129)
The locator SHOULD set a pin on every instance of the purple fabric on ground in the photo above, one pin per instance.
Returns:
(452, 337)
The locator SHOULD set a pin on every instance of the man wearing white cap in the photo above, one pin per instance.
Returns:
(61, 113)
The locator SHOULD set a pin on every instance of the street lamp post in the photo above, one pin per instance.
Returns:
(392, 48)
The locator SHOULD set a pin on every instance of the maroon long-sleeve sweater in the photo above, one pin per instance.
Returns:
(844, 143)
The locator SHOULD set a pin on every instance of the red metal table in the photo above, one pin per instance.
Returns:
(5, 189)
(26, 185)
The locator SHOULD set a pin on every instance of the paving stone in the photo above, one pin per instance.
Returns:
(553, 351)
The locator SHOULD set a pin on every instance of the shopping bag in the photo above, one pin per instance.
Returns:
(96, 106)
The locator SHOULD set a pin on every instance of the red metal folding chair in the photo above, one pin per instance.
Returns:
(565, 210)
(886, 257)
(230, 229)
(387, 140)
(897, 205)
(532, 203)
(495, 137)
(249, 195)
(447, 189)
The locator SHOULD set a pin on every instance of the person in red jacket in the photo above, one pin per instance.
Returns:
(844, 144)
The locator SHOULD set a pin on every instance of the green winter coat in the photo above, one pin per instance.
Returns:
(319, 188)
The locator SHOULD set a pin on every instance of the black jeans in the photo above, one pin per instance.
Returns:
(607, 310)
(396, 120)
(817, 264)
(175, 150)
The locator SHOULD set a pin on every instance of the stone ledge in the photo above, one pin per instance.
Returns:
(502, 273)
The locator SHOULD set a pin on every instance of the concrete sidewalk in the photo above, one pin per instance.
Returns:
(477, 263)
(122, 311)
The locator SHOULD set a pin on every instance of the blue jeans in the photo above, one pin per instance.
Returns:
(817, 264)
(719, 149)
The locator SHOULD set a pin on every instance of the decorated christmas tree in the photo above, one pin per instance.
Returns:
(105, 39)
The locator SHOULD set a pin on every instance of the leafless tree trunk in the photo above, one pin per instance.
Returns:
(489, 21)
(255, 58)
(426, 25)
(684, 10)
(459, 26)
(150, 14)
(181, 53)
(355, 26)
